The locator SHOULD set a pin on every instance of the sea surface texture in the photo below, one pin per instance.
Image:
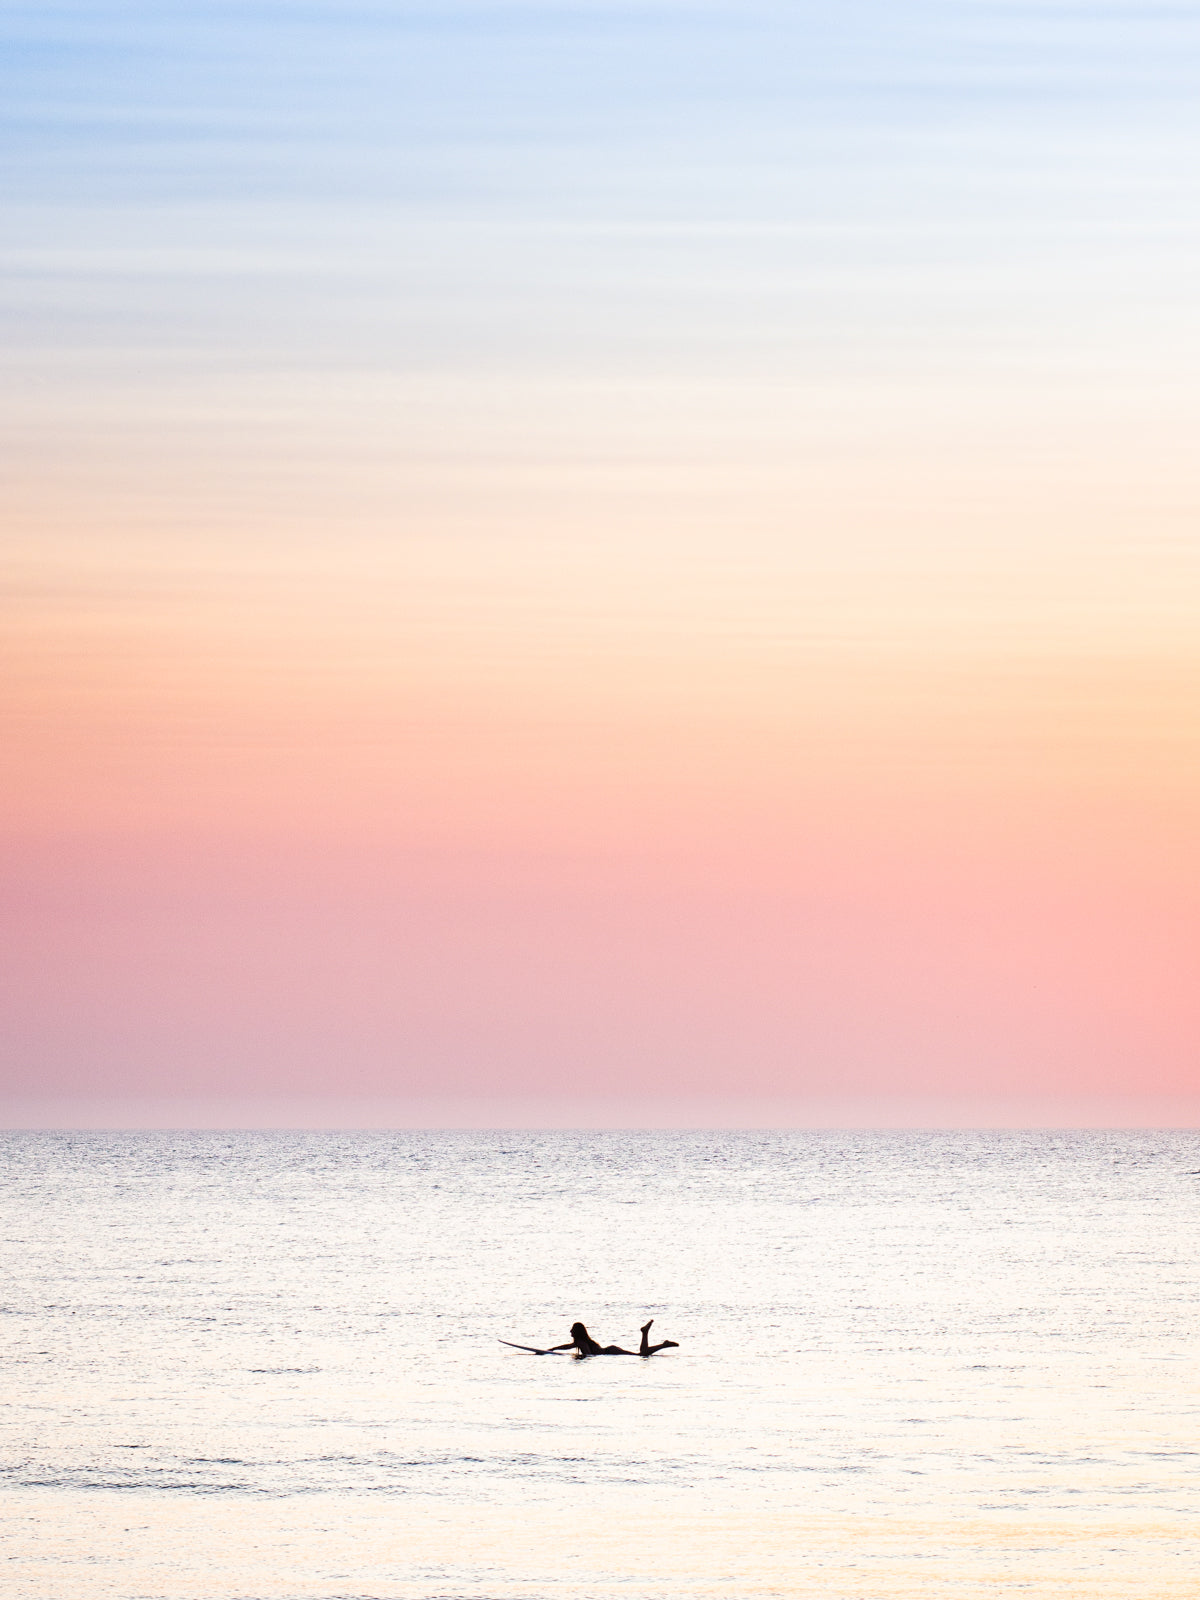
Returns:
(267, 1366)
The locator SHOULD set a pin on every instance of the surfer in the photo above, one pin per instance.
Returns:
(582, 1341)
(583, 1344)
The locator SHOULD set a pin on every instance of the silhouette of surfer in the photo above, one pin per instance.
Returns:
(582, 1341)
(583, 1344)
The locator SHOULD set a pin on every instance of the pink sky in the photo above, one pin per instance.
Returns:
(789, 828)
(589, 563)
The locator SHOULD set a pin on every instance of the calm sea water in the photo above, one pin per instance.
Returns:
(256, 1366)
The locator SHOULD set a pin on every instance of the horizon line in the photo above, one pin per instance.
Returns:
(500, 1113)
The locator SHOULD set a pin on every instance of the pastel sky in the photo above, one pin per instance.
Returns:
(601, 562)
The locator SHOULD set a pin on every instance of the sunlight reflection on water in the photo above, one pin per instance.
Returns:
(266, 1365)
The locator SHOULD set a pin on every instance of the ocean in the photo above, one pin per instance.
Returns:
(266, 1366)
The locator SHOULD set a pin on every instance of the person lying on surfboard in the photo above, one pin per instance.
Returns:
(583, 1344)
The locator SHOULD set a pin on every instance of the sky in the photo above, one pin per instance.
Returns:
(617, 563)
